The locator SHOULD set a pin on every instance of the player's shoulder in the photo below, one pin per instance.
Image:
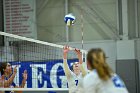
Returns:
(91, 76)
(72, 73)
(91, 80)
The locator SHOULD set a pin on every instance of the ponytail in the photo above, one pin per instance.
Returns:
(99, 63)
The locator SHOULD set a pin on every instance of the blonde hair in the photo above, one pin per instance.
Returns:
(97, 60)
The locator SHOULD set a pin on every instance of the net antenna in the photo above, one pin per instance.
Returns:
(82, 29)
(82, 35)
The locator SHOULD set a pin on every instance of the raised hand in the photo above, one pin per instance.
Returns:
(25, 75)
(65, 51)
(2, 81)
(79, 54)
(15, 69)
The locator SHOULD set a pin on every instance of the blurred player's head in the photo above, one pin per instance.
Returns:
(76, 68)
(5, 68)
(96, 59)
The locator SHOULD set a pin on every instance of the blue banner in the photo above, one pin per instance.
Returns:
(49, 74)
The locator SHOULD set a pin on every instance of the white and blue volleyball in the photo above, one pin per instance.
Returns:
(69, 19)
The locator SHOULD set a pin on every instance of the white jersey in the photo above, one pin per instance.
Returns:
(93, 84)
(75, 83)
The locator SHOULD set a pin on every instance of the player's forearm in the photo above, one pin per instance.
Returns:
(23, 83)
(80, 59)
(64, 55)
(8, 82)
(83, 70)
(66, 67)
(81, 65)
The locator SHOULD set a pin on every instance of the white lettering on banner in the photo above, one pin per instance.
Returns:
(17, 75)
(53, 75)
(36, 77)
(40, 77)
(63, 81)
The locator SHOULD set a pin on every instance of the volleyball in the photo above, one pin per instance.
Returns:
(69, 19)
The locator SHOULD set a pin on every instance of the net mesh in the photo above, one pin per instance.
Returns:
(42, 60)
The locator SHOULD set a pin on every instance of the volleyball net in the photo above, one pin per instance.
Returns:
(42, 60)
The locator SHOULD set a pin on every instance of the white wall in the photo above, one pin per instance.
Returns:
(126, 49)
(109, 46)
